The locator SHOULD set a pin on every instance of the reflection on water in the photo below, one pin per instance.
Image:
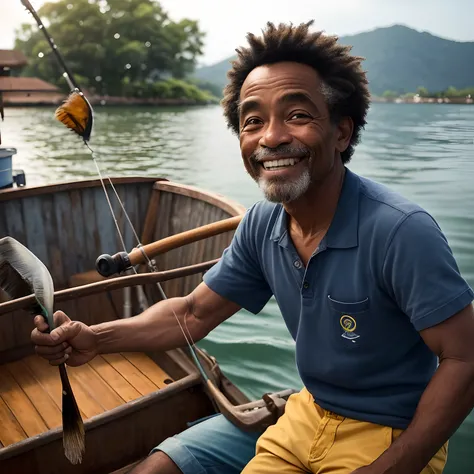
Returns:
(426, 152)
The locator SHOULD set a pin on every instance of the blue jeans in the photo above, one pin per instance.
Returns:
(211, 446)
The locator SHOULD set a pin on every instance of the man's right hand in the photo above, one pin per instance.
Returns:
(71, 341)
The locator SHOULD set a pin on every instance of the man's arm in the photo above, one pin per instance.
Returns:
(446, 401)
(156, 329)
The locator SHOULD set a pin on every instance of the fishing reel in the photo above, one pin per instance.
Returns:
(108, 265)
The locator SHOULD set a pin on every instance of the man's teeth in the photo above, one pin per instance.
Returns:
(269, 165)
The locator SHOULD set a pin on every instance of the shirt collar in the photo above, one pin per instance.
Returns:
(343, 231)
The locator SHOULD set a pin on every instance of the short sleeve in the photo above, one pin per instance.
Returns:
(421, 273)
(238, 276)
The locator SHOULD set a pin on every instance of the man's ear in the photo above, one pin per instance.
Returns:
(345, 129)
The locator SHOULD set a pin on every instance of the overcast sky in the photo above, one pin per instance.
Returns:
(227, 21)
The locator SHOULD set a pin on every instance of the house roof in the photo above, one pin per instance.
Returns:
(12, 58)
(25, 84)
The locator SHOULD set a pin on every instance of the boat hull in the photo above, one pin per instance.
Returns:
(68, 226)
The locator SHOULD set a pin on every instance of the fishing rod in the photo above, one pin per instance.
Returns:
(67, 73)
(108, 265)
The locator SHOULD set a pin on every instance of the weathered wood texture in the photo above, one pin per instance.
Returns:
(30, 390)
(128, 434)
(178, 213)
(68, 229)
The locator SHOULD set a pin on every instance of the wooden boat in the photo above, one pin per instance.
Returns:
(130, 402)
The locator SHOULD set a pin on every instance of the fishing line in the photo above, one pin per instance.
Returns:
(74, 86)
(151, 264)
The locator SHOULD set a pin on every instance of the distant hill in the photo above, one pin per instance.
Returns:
(398, 58)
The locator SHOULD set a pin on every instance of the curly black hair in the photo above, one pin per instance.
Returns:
(344, 83)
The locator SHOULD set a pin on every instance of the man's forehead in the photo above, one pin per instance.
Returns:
(280, 75)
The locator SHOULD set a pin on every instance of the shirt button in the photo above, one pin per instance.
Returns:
(306, 285)
(297, 264)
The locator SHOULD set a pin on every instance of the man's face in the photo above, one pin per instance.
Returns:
(287, 140)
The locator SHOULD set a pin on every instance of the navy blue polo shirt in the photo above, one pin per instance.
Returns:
(383, 272)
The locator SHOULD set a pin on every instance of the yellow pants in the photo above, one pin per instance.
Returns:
(308, 438)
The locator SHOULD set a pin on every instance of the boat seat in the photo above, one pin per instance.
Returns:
(30, 390)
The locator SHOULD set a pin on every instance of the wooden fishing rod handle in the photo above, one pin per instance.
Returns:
(108, 265)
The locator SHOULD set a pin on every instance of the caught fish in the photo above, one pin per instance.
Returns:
(23, 274)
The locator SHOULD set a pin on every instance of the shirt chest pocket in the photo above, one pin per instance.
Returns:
(349, 321)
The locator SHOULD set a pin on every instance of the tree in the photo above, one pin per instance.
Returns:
(390, 95)
(111, 43)
(422, 91)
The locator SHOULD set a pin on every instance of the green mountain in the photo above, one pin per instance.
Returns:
(398, 58)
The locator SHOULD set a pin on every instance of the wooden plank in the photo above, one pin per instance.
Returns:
(91, 307)
(17, 193)
(62, 207)
(10, 430)
(143, 198)
(78, 232)
(95, 386)
(119, 215)
(3, 222)
(34, 228)
(42, 401)
(104, 224)
(218, 200)
(92, 239)
(14, 218)
(151, 218)
(124, 389)
(52, 234)
(48, 377)
(130, 373)
(20, 405)
(149, 368)
(130, 202)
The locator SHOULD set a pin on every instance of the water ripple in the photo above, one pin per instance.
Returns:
(426, 152)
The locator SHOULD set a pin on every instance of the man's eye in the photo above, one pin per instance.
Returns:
(252, 121)
(299, 115)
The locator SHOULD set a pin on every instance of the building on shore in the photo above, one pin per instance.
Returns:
(23, 91)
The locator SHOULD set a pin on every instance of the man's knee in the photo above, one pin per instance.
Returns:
(158, 462)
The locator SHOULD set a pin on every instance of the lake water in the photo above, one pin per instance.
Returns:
(425, 152)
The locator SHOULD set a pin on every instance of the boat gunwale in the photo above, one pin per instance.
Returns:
(125, 281)
(56, 187)
(218, 200)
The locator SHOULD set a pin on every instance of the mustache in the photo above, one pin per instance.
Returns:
(283, 151)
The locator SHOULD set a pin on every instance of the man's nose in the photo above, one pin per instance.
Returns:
(275, 134)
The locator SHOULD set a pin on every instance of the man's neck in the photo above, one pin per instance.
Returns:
(313, 212)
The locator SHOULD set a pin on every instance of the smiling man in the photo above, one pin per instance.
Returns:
(365, 280)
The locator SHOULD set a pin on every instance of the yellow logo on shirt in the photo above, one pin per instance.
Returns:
(348, 324)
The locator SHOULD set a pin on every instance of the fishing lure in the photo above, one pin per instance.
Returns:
(23, 274)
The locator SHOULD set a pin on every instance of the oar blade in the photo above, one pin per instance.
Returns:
(23, 274)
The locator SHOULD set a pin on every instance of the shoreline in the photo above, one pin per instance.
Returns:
(425, 100)
(133, 101)
(97, 101)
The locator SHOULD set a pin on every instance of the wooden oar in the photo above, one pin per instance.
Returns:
(108, 265)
